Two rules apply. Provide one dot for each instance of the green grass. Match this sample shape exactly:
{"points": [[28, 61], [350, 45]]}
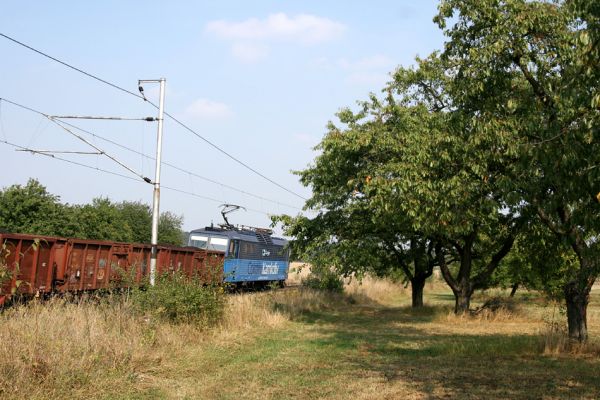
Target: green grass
{"points": [[388, 352], [338, 348]]}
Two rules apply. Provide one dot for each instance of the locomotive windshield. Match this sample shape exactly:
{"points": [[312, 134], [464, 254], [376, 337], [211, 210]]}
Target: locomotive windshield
{"points": [[207, 242]]}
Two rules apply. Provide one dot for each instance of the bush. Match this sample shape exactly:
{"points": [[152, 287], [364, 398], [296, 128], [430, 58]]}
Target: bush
{"points": [[177, 298], [324, 280]]}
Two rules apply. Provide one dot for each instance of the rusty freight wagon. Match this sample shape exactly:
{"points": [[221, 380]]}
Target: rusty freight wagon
{"points": [[33, 265]]}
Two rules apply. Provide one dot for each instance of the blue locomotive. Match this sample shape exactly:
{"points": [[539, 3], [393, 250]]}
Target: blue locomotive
{"points": [[253, 256]]}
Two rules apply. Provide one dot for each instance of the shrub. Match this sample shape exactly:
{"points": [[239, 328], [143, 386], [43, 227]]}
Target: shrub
{"points": [[324, 280], [177, 298]]}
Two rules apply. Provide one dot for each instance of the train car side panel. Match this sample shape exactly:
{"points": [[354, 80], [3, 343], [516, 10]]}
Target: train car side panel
{"points": [[236, 270], [42, 264]]}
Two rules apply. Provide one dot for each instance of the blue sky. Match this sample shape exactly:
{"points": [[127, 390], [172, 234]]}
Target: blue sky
{"points": [[260, 79]]}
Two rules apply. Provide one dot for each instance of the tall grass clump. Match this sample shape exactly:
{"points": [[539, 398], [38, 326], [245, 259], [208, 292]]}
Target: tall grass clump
{"points": [[177, 298], [324, 279], [61, 349], [379, 290]]}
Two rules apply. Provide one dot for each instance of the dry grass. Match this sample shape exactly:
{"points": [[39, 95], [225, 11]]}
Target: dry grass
{"points": [[383, 291], [247, 311], [300, 343], [47, 349], [297, 272], [367, 289], [63, 349]]}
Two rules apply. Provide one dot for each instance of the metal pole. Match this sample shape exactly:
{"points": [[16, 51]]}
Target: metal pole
{"points": [[156, 198]]}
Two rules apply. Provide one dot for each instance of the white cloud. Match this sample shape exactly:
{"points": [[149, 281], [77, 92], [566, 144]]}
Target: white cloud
{"points": [[303, 28], [250, 38], [208, 109]]}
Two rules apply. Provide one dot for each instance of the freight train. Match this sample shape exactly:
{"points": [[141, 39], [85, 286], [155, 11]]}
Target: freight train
{"points": [[34, 265]]}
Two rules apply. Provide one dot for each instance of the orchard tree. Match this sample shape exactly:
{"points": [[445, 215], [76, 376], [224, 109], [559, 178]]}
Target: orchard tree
{"points": [[454, 178], [360, 225], [412, 178], [532, 66]]}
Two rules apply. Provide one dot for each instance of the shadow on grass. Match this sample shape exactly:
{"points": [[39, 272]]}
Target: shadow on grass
{"points": [[445, 297], [395, 344]]}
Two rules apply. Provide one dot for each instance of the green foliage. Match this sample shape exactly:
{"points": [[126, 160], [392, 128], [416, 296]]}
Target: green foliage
{"points": [[138, 216], [496, 132], [324, 279], [529, 70], [101, 220], [169, 229], [31, 209], [179, 299], [539, 261]]}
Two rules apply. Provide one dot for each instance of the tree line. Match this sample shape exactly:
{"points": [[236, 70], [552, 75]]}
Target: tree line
{"points": [[482, 160], [32, 209]]}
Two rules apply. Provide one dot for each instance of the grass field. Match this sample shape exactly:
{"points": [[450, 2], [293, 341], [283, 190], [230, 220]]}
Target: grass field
{"points": [[299, 344]]}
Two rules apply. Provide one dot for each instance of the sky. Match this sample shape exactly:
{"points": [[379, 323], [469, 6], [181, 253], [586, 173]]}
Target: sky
{"points": [[259, 79]]}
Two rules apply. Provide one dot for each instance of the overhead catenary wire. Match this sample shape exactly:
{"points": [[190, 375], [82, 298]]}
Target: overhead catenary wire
{"points": [[145, 179], [177, 121], [232, 157], [183, 170], [70, 66], [146, 156], [93, 153], [60, 124], [54, 157], [24, 148]]}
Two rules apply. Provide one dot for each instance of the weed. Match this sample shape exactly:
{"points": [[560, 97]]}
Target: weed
{"points": [[178, 298], [324, 280]]}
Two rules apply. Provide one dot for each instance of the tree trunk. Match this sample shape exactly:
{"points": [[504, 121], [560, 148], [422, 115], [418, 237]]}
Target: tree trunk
{"points": [[417, 284], [514, 289], [460, 286], [462, 301], [576, 291], [423, 261], [577, 301]]}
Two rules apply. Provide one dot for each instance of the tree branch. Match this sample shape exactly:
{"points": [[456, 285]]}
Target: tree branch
{"points": [[535, 85], [400, 259], [548, 221], [484, 276], [445, 270], [436, 96]]}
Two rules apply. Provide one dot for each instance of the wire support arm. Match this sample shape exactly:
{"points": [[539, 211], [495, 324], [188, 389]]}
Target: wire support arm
{"points": [[53, 120], [148, 119]]}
